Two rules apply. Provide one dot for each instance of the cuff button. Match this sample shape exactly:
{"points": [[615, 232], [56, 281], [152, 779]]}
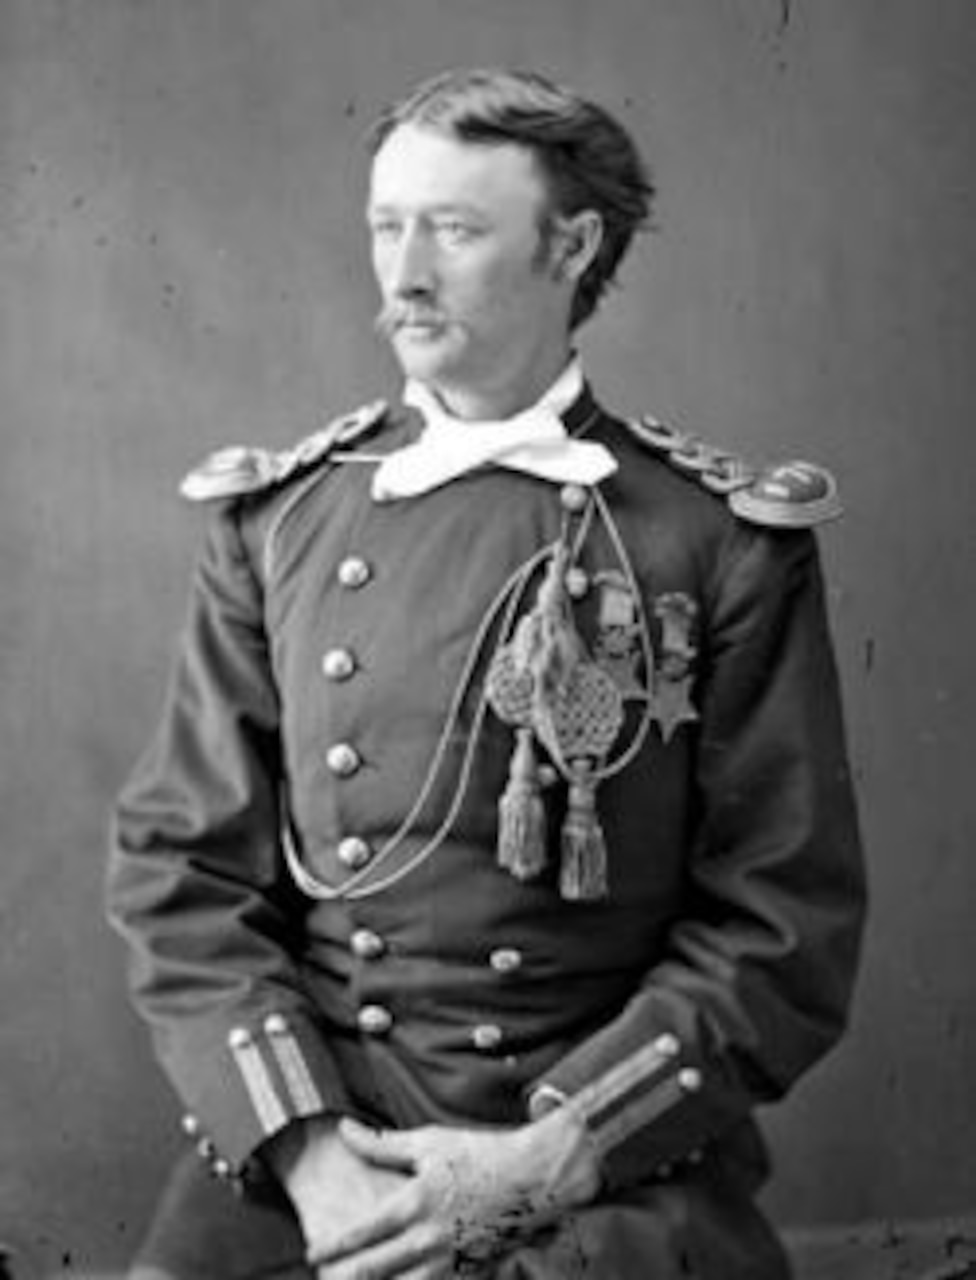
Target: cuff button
{"points": [[690, 1079]]}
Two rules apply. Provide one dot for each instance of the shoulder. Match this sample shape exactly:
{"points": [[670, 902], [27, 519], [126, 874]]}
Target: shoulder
{"points": [[783, 495], [241, 470]]}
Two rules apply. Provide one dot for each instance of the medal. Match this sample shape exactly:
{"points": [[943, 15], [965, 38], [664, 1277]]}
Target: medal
{"points": [[671, 704]]}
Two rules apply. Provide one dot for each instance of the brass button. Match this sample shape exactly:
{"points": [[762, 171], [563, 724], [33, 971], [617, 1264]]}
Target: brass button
{"points": [[190, 1125], [354, 572], [374, 1020], [239, 1038], [206, 1149], [342, 759], [486, 1037], [505, 959], [338, 664], [221, 1169], [353, 852], [573, 497], [366, 944]]}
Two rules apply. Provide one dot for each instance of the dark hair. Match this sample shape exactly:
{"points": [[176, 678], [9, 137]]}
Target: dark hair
{"points": [[587, 158]]}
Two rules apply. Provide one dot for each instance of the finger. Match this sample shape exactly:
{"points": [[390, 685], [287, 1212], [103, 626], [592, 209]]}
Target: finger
{"points": [[438, 1269], [417, 1253], [389, 1148], [391, 1218]]}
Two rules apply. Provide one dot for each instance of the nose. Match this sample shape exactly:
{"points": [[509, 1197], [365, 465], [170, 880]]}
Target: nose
{"points": [[412, 271]]}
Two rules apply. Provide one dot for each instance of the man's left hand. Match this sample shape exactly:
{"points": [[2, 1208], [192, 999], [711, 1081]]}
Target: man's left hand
{"points": [[472, 1195]]}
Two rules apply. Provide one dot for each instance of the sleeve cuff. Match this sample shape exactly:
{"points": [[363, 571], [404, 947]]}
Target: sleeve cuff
{"points": [[649, 1112], [267, 1072]]}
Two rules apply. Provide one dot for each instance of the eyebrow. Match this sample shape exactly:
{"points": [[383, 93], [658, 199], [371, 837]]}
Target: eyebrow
{"points": [[448, 206]]}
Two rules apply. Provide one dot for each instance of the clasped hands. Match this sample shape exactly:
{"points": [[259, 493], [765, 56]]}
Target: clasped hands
{"points": [[435, 1201]]}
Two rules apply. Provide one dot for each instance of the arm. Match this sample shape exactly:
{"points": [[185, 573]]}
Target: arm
{"points": [[754, 985], [196, 884]]}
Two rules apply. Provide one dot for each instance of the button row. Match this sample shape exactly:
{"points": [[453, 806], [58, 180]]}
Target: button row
{"points": [[206, 1148], [377, 1020], [368, 945], [342, 759]]}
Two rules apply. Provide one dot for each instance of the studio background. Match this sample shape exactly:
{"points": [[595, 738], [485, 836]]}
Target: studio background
{"points": [[183, 265]]}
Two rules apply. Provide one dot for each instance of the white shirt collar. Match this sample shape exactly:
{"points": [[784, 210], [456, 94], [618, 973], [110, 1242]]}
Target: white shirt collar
{"points": [[534, 441]]}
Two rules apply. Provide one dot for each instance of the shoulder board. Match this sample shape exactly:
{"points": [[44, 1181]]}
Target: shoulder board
{"points": [[240, 469], [787, 495]]}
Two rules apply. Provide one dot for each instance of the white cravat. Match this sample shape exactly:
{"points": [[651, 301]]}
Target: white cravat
{"points": [[534, 441]]}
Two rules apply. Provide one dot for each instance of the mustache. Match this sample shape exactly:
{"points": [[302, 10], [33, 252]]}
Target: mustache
{"points": [[396, 314]]}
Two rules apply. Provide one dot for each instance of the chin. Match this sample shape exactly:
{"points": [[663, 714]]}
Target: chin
{"points": [[426, 362]]}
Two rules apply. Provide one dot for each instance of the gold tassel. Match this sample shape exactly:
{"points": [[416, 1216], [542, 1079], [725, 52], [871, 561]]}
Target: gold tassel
{"points": [[522, 814], [583, 870]]}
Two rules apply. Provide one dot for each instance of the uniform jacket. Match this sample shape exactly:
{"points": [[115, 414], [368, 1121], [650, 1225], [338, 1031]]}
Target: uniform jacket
{"points": [[327, 637]]}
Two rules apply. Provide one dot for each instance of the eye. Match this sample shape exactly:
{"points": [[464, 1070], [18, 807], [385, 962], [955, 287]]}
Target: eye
{"points": [[456, 231], [385, 229]]}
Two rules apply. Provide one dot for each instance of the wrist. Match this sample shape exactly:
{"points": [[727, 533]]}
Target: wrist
{"points": [[291, 1152], [560, 1146]]}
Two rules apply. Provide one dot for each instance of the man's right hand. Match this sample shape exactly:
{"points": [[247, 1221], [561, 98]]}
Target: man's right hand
{"points": [[330, 1187]]}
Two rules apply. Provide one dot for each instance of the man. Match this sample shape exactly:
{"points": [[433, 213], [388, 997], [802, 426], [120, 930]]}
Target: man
{"points": [[496, 855]]}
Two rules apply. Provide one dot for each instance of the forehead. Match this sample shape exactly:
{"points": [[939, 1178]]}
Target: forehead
{"points": [[419, 167]]}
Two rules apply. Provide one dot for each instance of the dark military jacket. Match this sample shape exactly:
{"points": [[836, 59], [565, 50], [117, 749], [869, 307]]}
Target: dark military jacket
{"points": [[328, 704]]}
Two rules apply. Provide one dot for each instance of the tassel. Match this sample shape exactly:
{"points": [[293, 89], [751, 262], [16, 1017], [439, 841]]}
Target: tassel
{"points": [[522, 814], [583, 870]]}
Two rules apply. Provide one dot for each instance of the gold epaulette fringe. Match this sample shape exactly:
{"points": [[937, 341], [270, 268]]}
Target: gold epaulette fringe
{"points": [[787, 495], [240, 469]]}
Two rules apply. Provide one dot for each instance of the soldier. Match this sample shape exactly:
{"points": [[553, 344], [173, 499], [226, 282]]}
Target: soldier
{"points": [[496, 855]]}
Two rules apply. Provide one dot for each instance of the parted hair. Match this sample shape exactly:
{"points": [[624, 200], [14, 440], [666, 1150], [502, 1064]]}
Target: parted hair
{"points": [[586, 157]]}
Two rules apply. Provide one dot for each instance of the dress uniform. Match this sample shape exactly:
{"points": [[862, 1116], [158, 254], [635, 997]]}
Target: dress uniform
{"points": [[479, 796]]}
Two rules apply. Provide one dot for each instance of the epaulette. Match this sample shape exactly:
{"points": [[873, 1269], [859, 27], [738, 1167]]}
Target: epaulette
{"points": [[241, 469], [786, 495]]}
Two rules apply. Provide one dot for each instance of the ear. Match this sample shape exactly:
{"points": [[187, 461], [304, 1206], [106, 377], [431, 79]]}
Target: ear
{"points": [[577, 240]]}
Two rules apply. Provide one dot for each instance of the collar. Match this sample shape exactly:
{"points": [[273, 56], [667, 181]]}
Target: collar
{"points": [[535, 441]]}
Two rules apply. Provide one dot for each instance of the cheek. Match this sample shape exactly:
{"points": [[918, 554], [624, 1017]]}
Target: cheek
{"points": [[494, 291]]}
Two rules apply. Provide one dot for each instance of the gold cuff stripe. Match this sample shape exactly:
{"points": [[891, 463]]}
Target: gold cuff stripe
{"points": [[628, 1076], [291, 1061], [260, 1087], [613, 1130]]}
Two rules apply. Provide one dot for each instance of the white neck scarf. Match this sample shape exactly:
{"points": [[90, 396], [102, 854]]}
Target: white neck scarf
{"points": [[534, 441]]}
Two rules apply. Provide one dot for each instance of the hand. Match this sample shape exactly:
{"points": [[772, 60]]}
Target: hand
{"points": [[331, 1188], [471, 1195]]}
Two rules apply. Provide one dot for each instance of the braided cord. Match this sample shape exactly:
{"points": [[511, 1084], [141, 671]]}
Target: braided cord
{"points": [[511, 591]]}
